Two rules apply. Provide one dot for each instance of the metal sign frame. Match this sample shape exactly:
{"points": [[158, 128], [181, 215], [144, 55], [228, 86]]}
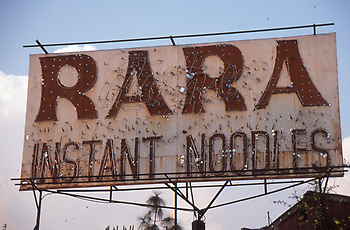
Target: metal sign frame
{"points": [[175, 188], [221, 153]]}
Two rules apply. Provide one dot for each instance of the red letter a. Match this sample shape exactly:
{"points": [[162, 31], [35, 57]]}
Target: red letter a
{"points": [[139, 64], [302, 85]]}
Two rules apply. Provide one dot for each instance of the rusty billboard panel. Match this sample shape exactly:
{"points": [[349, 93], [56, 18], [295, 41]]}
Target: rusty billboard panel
{"points": [[205, 112]]}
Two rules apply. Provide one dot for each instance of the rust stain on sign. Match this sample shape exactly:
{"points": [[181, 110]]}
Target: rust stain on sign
{"points": [[205, 112]]}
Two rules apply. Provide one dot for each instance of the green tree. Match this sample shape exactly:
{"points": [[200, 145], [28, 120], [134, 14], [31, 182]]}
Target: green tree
{"points": [[154, 218], [314, 210]]}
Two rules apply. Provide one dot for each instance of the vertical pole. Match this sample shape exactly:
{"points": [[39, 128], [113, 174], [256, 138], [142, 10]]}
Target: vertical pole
{"points": [[325, 185], [175, 200], [314, 29], [320, 185], [110, 194], [186, 189], [38, 214], [172, 40]]}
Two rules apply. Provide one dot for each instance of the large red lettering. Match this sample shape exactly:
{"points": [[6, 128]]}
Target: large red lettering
{"points": [[234, 154], [152, 156], [91, 144], [150, 94], [125, 153], [323, 151], [301, 83], [256, 151], [296, 148], [198, 81], [74, 164], [44, 162], [108, 164], [199, 159], [222, 154], [52, 88]]}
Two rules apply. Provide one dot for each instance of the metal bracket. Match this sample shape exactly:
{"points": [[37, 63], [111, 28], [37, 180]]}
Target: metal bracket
{"points": [[203, 211], [38, 205], [41, 46], [172, 40]]}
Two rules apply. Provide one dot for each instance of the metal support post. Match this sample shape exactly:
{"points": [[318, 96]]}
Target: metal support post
{"points": [[314, 26], [175, 201], [110, 194], [38, 206], [172, 40]]}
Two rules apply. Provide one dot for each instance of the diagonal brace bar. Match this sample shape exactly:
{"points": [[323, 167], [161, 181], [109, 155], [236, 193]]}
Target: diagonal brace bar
{"points": [[203, 211], [178, 192]]}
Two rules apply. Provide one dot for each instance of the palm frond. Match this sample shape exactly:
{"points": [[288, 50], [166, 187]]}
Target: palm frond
{"points": [[168, 222], [153, 227]]}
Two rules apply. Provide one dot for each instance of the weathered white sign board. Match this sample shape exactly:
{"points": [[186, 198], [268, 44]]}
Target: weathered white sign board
{"points": [[204, 112]]}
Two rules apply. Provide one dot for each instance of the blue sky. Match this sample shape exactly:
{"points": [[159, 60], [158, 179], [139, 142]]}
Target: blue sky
{"points": [[22, 22]]}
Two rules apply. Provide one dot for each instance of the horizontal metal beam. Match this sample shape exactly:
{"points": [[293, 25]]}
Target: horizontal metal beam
{"points": [[182, 36], [258, 172], [103, 200], [262, 194], [179, 187], [161, 180]]}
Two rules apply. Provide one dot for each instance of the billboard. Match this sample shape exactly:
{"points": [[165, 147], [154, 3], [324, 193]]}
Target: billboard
{"points": [[205, 112]]}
